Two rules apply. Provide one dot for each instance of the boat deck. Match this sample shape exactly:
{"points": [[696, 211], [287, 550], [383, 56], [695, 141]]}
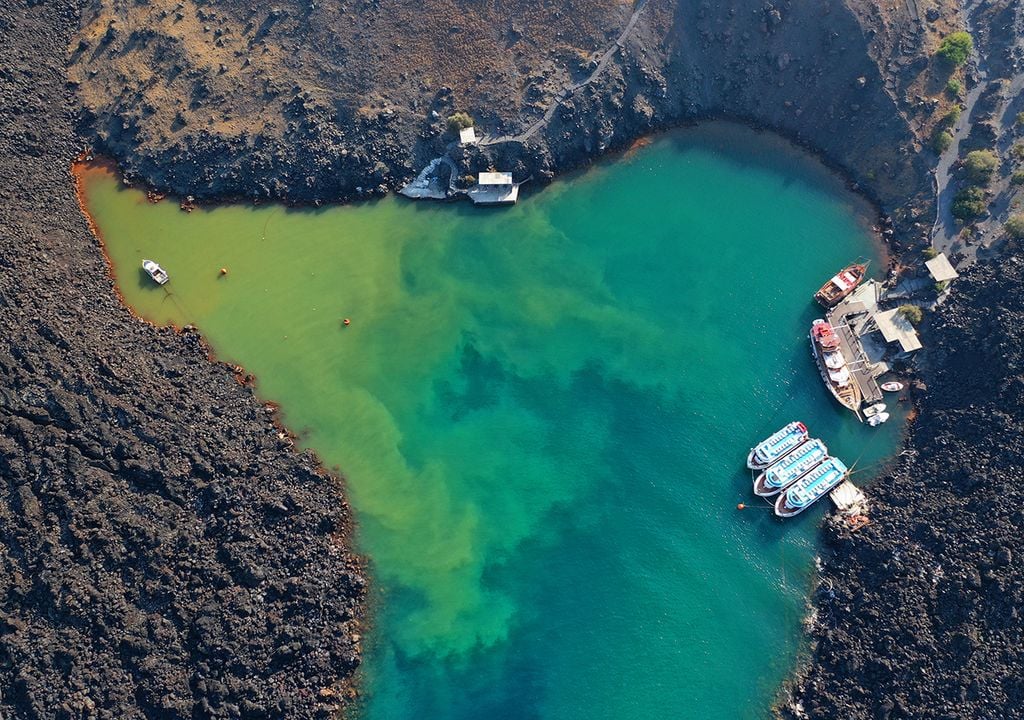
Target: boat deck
{"points": [[860, 366]]}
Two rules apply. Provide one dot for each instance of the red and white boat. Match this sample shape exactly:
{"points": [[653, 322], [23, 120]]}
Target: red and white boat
{"points": [[841, 284]]}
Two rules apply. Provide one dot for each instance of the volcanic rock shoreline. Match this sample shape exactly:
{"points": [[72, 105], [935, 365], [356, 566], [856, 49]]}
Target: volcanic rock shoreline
{"points": [[168, 554]]}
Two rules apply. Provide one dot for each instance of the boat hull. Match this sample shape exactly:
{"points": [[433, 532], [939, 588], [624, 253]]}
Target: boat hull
{"points": [[825, 478], [829, 295], [851, 399], [798, 439]]}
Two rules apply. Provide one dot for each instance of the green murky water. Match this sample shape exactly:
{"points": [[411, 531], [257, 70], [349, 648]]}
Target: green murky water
{"points": [[542, 413]]}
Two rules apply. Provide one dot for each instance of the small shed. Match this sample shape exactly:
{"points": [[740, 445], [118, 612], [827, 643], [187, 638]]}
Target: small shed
{"points": [[896, 328], [467, 136], [940, 268], [494, 188]]}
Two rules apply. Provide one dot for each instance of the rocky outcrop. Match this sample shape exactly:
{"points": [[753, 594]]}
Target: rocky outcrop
{"points": [[166, 552], [919, 614]]}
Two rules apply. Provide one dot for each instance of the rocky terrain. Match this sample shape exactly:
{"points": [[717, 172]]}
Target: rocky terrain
{"points": [[325, 101], [166, 554], [918, 615]]}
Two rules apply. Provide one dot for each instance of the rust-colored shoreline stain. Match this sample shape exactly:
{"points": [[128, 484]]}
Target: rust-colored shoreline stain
{"points": [[87, 168]]}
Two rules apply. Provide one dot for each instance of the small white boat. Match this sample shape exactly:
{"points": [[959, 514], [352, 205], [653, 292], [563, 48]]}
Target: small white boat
{"points": [[873, 410], [892, 386], [159, 275], [876, 420]]}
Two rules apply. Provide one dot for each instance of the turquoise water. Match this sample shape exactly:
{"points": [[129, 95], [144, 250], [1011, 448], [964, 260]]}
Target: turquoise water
{"points": [[542, 415]]}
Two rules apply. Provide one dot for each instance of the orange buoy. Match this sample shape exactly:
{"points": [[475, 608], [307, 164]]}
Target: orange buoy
{"points": [[346, 322], [223, 271], [741, 506]]}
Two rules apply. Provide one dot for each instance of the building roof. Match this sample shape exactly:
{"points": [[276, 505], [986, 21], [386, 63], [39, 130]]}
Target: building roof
{"points": [[896, 328], [495, 178], [941, 269], [467, 136]]}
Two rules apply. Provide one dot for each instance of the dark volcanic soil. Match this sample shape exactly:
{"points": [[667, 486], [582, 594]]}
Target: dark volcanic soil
{"points": [[919, 615], [165, 554]]}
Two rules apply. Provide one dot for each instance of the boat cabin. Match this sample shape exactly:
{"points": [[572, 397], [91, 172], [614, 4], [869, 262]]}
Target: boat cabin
{"points": [[494, 188]]}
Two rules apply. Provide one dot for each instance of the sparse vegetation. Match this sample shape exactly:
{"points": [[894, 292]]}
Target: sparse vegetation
{"points": [[458, 121], [980, 166], [1020, 119], [950, 119], [955, 48], [912, 313], [953, 88], [929, 253], [941, 286], [969, 203], [1014, 227], [1017, 178], [1017, 151]]}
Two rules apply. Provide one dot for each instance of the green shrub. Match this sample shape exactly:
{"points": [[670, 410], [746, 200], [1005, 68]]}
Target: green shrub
{"points": [[929, 253], [1015, 227], [950, 119], [458, 121], [969, 203], [1017, 151], [1017, 178], [912, 313], [953, 87], [1020, 119], [980, 165], [941, 285], [941, 140], [955, 48]]}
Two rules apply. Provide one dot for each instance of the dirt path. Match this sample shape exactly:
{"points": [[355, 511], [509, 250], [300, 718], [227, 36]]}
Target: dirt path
{"points": [[602, 64]]}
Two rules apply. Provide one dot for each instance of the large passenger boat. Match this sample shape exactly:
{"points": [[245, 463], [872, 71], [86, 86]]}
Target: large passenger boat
{"points": [[811, 487], [776, 445], [841, 284], [790, 468], [832, 365]]}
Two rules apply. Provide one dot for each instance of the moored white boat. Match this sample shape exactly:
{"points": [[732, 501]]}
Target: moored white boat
{"points": [[776, 445], [873, 410], [811, 487], [159, 275], [892, 386], [876, 420], [790, 468]]}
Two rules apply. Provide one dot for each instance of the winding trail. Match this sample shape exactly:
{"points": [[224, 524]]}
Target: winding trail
{"points": [[602, 64]]}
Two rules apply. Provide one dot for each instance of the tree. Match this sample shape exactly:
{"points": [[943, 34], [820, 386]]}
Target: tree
{"points": [[955, 48], [953, 88], [941, 141], [980, 165], [1015, 226], [912, 313], [929, 253], [969, 203]]}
